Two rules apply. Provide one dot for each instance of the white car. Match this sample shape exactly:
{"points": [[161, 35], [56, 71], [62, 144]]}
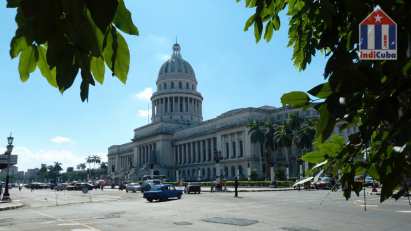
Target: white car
{"points": [[133, 187]]}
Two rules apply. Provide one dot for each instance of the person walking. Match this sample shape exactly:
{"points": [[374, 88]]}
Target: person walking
{"points": [[20, 187], [236, 187], [1, 190]]}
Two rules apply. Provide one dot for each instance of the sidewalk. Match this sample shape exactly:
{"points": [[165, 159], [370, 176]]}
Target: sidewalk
{"points": [[15, 204], [250, 189]]}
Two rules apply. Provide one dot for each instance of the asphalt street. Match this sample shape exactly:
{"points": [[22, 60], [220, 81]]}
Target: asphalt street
{"points": [[284, 211]]}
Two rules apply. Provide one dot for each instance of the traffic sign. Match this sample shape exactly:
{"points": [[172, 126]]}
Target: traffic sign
{"points": [[4, 159]]}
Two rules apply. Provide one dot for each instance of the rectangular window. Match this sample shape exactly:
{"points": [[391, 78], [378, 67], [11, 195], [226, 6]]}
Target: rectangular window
{"points": [[194, 152], [184, 154], [189, 152], [241, 148], [234, 149], [209, 149], [204, 151], [227, 150], [180, 155]]}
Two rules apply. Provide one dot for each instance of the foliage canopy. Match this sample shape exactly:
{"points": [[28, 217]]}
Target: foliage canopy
{"points": [[374, 96], [65, 37]]}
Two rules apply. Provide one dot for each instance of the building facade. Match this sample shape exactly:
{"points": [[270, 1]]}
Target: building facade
{"points": [[180, 145]]}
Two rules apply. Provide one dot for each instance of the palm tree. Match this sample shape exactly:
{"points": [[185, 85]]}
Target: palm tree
{"points": [[93, 160], [262, 133], [295, 131], [81, 166]]}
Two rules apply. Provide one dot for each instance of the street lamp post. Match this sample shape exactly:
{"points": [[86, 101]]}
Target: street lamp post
{"points": [[6, 195]]}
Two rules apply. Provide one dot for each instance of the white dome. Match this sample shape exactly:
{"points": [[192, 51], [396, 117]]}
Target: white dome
{"points": [[176, 67]]}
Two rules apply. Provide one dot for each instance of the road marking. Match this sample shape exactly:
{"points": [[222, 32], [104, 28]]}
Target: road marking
{"points": [[403, 211], [88, 227]]}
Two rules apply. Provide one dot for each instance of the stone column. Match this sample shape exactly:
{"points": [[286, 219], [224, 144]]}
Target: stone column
{"points": [[153, 111], [248, 173], [199, 175], [287, 173], [272, 174], [177, 176], [301, 171]]}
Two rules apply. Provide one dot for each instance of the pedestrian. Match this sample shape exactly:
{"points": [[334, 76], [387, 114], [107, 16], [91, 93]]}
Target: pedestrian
{"points": [[31, 187], [20, 187], [236, 187], [1, 189]]}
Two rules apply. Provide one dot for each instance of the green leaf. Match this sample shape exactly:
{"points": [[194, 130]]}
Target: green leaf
{"points": [[326, 123], [28, 61], [117, 55], [295, 99], [258, 28], [13, 3], [268, 32], [97, 68], [18, 44], [123, 19], [102, 12], [50, 75], [66, 69], [249, 22], [406, 70], [276, 22], [314, 157], [321, 91]]}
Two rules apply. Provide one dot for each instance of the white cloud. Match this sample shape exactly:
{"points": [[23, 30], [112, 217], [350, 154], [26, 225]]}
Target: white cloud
{"points": [[145, 94], [28, 158], [60, 140]]}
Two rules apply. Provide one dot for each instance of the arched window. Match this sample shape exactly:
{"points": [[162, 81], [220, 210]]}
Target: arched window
{"points": [[225, 171], [240, 171], [172, 85], [165, 86], [180, 85], [187, 86]]}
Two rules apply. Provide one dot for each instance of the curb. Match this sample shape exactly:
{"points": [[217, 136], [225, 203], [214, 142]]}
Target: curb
{"points": [[12, 207], [261, 190]]}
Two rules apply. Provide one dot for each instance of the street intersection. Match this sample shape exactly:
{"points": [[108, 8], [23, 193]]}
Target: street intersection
{"points": [[282, 210]]}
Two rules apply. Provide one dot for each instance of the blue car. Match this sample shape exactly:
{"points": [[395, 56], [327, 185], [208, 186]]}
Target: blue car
{"points": [[162, 192]]}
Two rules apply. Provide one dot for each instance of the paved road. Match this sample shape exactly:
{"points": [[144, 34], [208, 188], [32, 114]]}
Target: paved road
{"points": [[284, 211]]}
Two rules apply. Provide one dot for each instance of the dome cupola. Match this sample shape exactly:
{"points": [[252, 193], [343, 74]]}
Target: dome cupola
{"points": [[176, 98]]}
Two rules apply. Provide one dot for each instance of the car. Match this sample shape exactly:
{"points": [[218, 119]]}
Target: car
{"points": [[79, 186], [162, 192], [148, 184], [193, 187], [60, 187], [324, 182], [133, 187]]}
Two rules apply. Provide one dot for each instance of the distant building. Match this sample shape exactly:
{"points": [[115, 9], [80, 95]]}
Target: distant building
{"points": [[31, 174], [180, 145]]}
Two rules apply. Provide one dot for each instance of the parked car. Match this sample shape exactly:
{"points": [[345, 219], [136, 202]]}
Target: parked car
{"points": [[324, 182], [148, 184], [133, 187], [60, 187], [162, 192], [192, 187], [79, 186]]}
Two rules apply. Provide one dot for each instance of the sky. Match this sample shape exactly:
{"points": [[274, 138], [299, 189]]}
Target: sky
{"points": [[232, 70]]}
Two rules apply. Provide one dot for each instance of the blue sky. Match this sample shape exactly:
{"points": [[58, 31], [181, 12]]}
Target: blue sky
{"points": [[232, 70]]}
